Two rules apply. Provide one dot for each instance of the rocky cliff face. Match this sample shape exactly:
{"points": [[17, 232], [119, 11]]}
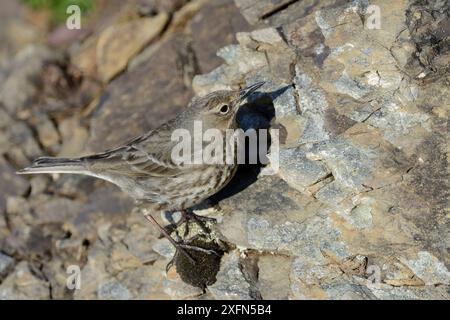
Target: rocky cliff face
{"points": [[357, 210]]}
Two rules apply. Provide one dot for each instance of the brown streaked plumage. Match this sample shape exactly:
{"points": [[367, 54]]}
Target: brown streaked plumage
{"points": [[144, 168]]}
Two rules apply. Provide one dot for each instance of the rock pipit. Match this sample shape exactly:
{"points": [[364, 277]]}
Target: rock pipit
{"points": [[145, 169]]}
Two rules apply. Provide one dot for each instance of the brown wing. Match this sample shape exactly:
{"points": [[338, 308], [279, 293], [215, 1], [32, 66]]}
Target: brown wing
{"points": [[147, 155]]}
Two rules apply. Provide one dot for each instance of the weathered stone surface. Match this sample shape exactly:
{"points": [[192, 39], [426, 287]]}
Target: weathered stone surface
{"points": [[429, 269], [169, 6], [298, 171], [222, 77], [137, 102], [113, 56], [215, 26], [74, 137], [17, 140], [259, 10], [281, 11], [273, 277], [122, 263], [231, 283], [22, 284], [6, 265], [47, 133], [269, 215], [16, 30], [17, 89], [164, 248], [356, 154], [113, 291], [11, 184], [177, 289], [39, 80]]}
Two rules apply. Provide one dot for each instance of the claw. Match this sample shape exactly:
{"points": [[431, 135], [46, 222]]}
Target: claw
{"points": [[169, 265], [182, 247], [150, 218], [199, 220]]}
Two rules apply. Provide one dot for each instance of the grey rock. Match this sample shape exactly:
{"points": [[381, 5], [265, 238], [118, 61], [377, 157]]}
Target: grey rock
{"points": [[351, 87], [312, 98], [298, 171], [313, 104], [361, 215], [177, 289], [14, 17], [307, 238], [238, 61], [18, 89], [145, 282], [332, 193], [396, 122], [254, 10], [231, 283], [38, 184], [285, 104], [56, 210], [113, 291], [314, 129], [429, 269], [281, 12], [22, 284], [11, 185], [6, 265], [311, 271], [344, 289], [150, 100], [164, 248], [273, 277], [349, 164], [386, 292], [269, 215], [16, 135], [214, 27], [267, 35], [73, 137], [47, 132]]}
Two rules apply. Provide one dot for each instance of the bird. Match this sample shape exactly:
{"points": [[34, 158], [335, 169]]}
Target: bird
{"points": [[145, 169]]}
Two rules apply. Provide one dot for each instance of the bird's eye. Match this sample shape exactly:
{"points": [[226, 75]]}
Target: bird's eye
{"points": [[224, 109]]}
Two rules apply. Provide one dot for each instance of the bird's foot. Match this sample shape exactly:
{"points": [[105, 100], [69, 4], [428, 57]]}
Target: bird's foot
{"points": [[199, 220]]}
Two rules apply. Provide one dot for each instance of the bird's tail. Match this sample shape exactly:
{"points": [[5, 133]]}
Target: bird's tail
{"points": [[56, 165]]}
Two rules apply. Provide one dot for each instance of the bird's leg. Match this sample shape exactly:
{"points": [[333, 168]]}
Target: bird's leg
{"points": [[179, 247], [199, 220]]}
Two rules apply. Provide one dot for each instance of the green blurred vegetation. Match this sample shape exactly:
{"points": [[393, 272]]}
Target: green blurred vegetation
{"points": [[57, 8]]}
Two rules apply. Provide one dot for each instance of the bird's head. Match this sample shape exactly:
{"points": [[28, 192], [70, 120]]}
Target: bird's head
{"points": [[218, 109]]}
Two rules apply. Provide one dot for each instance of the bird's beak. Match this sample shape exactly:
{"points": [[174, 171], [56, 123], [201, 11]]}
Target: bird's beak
{"points": [[244, 93]]}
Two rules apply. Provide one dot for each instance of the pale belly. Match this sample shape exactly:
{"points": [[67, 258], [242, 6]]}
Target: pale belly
{"points": [[185, 190]]}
